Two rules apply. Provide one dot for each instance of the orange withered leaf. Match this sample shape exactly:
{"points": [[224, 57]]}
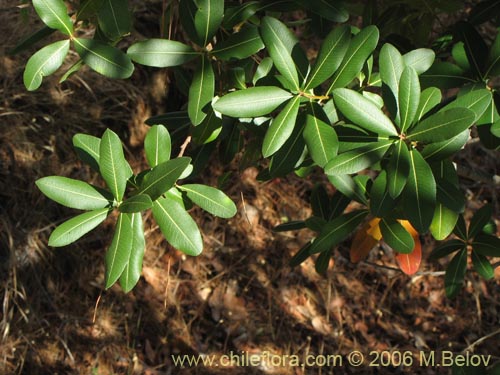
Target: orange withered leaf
{"points": [[410, 263], [365, 239]]}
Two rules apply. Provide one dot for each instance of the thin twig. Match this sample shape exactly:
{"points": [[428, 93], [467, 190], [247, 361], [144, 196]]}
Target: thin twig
{"points": [[95, 308], [184, 145], [479, 341]]}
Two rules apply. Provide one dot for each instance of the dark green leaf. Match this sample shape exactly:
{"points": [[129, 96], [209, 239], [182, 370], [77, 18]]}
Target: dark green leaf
{"points": [[479, 220], [281, 128], [87, 147], [74, 193], [442, 126], [208, 130], [322, 262], [450, 195], [331, 10], [381, 203], [391, 67], [76, 227], [336, 231], [482, 265], [360, 48], [338, 204], [419, 194], [300, 256], [396, 236], [137, 203], [88, 9], [429, 98], [455, 273], [210, 199], [358, 159], [201, 92], [321, 140], [474, 45], [350, 187], [330, 56], [157, 145], [54, 14], [487, 245], [72, 70], [240, 13], [320, 203], [31, 39], [114, 19], [371, 118], [398, 169], [163, 177], [104, 59], [177, 226], [118, 254], [132, 271], [409, 97], [445, 149], [252, 102], [444, 75], [43, 63], [460, 229], [352, 137], [446, 248], [419, 59], [161, 53], [315, 223], [208, 18], [290, 225], [494, 58], [290, 155], [241, 45], [443, 222], [482, 12]]}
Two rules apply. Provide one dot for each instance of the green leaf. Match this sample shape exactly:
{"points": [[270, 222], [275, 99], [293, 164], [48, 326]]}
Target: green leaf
{"points": [[54, 14], [338, 204], [240, 45], [460, 229], [208, 18], [87, 147], [444, 75], [88, 9], [460, 57], [494, 58], [161, 53], [320, 202], [479, 220], [163, 177], [281, 128], [482, 265], [157, 145], [210, 199], [442, 126], [31, 39], [300, 256], [74, 193], [76, 227], [487, 245], [336, 231], [474, 45], [330, 10], [321, 140], [371, 118], [118, 254], [177, 226], [443, 222], [445, 149], [447, 248], [104, 59], [240, 13], [273, 32], [476, 100], [419, 194], [291, 154], [208, 130], [396, 236], [330, 56], [409, 97], [322, 262], [455, 273], [391, 67], [429, 98], [114, 19], [263, 69], [43, 63], [381, 202], [201, 91], [350, 187], [252, 102], [358, 159], [360, 48], [132, 271], [290, 225], [398, 169], [112, 164], [137, 203], [72, 70], [419, 59], [450, 195]]}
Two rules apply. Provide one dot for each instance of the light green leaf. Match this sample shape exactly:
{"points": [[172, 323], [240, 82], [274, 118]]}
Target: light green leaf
{"points": [[442, 126], [445, 149], [163, 177], [429, 98], [337, 230], [208, 18], [54, 14], [391, 67], [118, 254], [396, 236], [161, 53], [330, 56], [112, 164], [76, 227], [114, 18], [351, 187], [419, 194], [136, 203], [455, 273], [419, 59], [263, 69], [252, 102], [446, 248], [321, 140], [477, 101], [74, 193], [132, 271], [208, 130], [201, 91], [363, 112], [273, 32], [43, 63], [177, 226], [104, 59], [281, 128], [460, 56], [487, 245], [443, 222], [358, 159], [210, 199], [87, 147], [240, 45], [157, 145], [482, 266], [72, 70], [360, 48], [398, 169], [409, 97]]}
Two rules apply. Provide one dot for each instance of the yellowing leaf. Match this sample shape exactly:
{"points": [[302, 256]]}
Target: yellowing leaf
{"points": [[365, 239], [410, 263]]}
